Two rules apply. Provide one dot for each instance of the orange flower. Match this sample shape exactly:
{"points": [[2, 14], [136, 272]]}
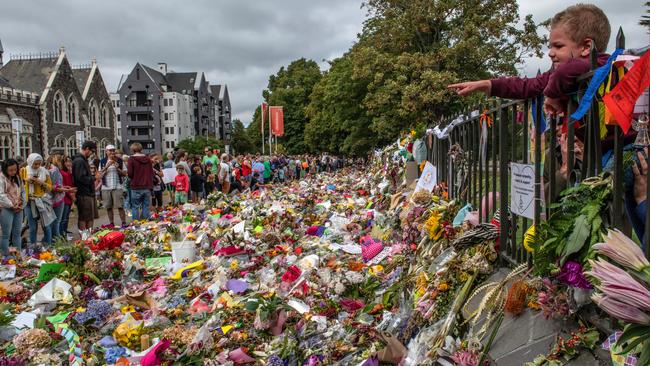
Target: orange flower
{"points": [[443, 287], [355, 266], [45, 256]]}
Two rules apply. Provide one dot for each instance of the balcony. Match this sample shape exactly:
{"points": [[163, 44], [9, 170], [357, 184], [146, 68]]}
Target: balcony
{"points": [[141, 103]]}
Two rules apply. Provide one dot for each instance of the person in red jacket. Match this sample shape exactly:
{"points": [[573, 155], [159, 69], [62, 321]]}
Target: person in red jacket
{"points": [[182, 185], [574, 31], [140, 170]]}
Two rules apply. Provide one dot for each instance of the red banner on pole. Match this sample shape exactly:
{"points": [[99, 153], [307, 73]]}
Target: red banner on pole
{"points": [[621, 100], [277, 121], [263, 109]]}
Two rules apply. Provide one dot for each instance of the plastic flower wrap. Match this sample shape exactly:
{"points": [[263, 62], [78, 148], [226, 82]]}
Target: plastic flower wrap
{"points": [[128, 332]]}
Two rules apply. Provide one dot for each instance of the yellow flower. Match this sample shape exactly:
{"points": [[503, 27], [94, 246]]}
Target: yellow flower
{"points": [[45, 256], [443, 287], [529, 239], [432, 226], [128, 309], [12, 261], [234, 265], [412, 133], [375, 270]]}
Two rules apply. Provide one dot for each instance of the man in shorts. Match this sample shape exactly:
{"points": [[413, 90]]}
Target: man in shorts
{"points": [[112, 171], [85, 183]]}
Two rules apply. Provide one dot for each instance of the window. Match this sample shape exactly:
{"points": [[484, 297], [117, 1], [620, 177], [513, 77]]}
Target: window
{"points": [[5, 147], [71, 146], [165, 103], [93, 113], [173, 144], [72, 111], [104, 117], [58, 107], [171, 130], [142, 131], [118, 118], [119, 131], [171, 102], [137, 74], [171, 116], [167, 144], [25, 145], [166, 116]]}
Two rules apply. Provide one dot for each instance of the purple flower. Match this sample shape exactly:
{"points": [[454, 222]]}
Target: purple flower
{"points": [[572, 275]]}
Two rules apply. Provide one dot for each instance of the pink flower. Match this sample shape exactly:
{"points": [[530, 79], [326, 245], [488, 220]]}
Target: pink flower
{"points": [[623, 251], [617, 283], [621, 310]]}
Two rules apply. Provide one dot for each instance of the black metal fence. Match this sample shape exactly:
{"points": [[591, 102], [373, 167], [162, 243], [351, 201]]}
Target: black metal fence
{"points": [[508, 141]]}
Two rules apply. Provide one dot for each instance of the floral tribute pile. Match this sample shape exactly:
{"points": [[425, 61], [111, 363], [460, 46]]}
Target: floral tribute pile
{"points": [[353, 268]]}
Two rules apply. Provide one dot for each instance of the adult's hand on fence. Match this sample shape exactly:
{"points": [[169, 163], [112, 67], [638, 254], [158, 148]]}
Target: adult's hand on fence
{"points": [[640, 177], [469, 87], [553, 106]]}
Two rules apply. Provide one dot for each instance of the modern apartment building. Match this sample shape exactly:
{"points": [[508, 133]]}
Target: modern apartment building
{"points": [[159, 108]]}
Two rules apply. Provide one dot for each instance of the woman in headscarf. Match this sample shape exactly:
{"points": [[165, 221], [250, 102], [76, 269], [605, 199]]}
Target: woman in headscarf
{"points": [[12, 201], [38, 185]]}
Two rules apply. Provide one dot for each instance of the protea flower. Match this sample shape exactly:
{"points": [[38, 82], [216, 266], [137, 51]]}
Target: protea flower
{"points": [[623, 251], [620, 310]]}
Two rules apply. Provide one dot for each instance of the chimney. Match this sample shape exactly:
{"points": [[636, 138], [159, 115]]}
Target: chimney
{"points": [[162, 67]]}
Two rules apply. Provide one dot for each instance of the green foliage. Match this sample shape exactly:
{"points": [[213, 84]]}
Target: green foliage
{"points": [[241, 142], [197, 145], [6, 314], [337, 121], [576, 221]]}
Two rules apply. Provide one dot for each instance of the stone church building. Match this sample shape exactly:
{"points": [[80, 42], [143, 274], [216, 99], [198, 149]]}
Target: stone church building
{"points": [[59, 105]]}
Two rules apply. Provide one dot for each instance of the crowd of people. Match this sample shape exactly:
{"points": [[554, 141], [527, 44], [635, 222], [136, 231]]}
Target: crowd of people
{"points": [[42, 192]]}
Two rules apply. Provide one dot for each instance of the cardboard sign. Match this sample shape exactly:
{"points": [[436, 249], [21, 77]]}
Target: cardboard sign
{"points": [[48, 271], [169, 174], [428, 179], [522, 196], [7, 272]]}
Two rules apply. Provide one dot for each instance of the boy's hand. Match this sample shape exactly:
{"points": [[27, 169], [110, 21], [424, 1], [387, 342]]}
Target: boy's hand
{"points": [[464, 89], [553, 106]]}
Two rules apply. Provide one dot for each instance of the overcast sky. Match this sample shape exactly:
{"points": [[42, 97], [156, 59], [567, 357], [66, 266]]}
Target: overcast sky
{"points": [[236, 42]]}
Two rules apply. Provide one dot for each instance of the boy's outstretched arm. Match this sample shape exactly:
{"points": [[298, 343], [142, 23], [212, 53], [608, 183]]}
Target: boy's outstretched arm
{"points": [[469, 87]]}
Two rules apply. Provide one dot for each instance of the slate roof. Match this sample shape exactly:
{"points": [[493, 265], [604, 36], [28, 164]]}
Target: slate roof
{"points": [[215, 90], [29, 75], [81, 77], [4, 82], [179, 81], [156, 75]]}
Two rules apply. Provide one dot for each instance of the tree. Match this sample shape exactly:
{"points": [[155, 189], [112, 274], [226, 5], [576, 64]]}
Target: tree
{"points": [[412, 49], [338, 123], [254, 132], [197, 145], [241, 143], [291, 88]]}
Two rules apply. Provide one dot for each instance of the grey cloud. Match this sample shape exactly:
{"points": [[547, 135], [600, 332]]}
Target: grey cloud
{"points": [[235, 42]]}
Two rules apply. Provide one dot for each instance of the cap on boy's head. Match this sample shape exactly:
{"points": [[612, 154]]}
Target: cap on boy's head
{"points": [[583, 21]]}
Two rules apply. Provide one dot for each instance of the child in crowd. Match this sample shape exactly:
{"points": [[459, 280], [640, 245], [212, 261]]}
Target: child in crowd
{"points": [[182, 185], [158, 185], [209, 184], [197, 180]]}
